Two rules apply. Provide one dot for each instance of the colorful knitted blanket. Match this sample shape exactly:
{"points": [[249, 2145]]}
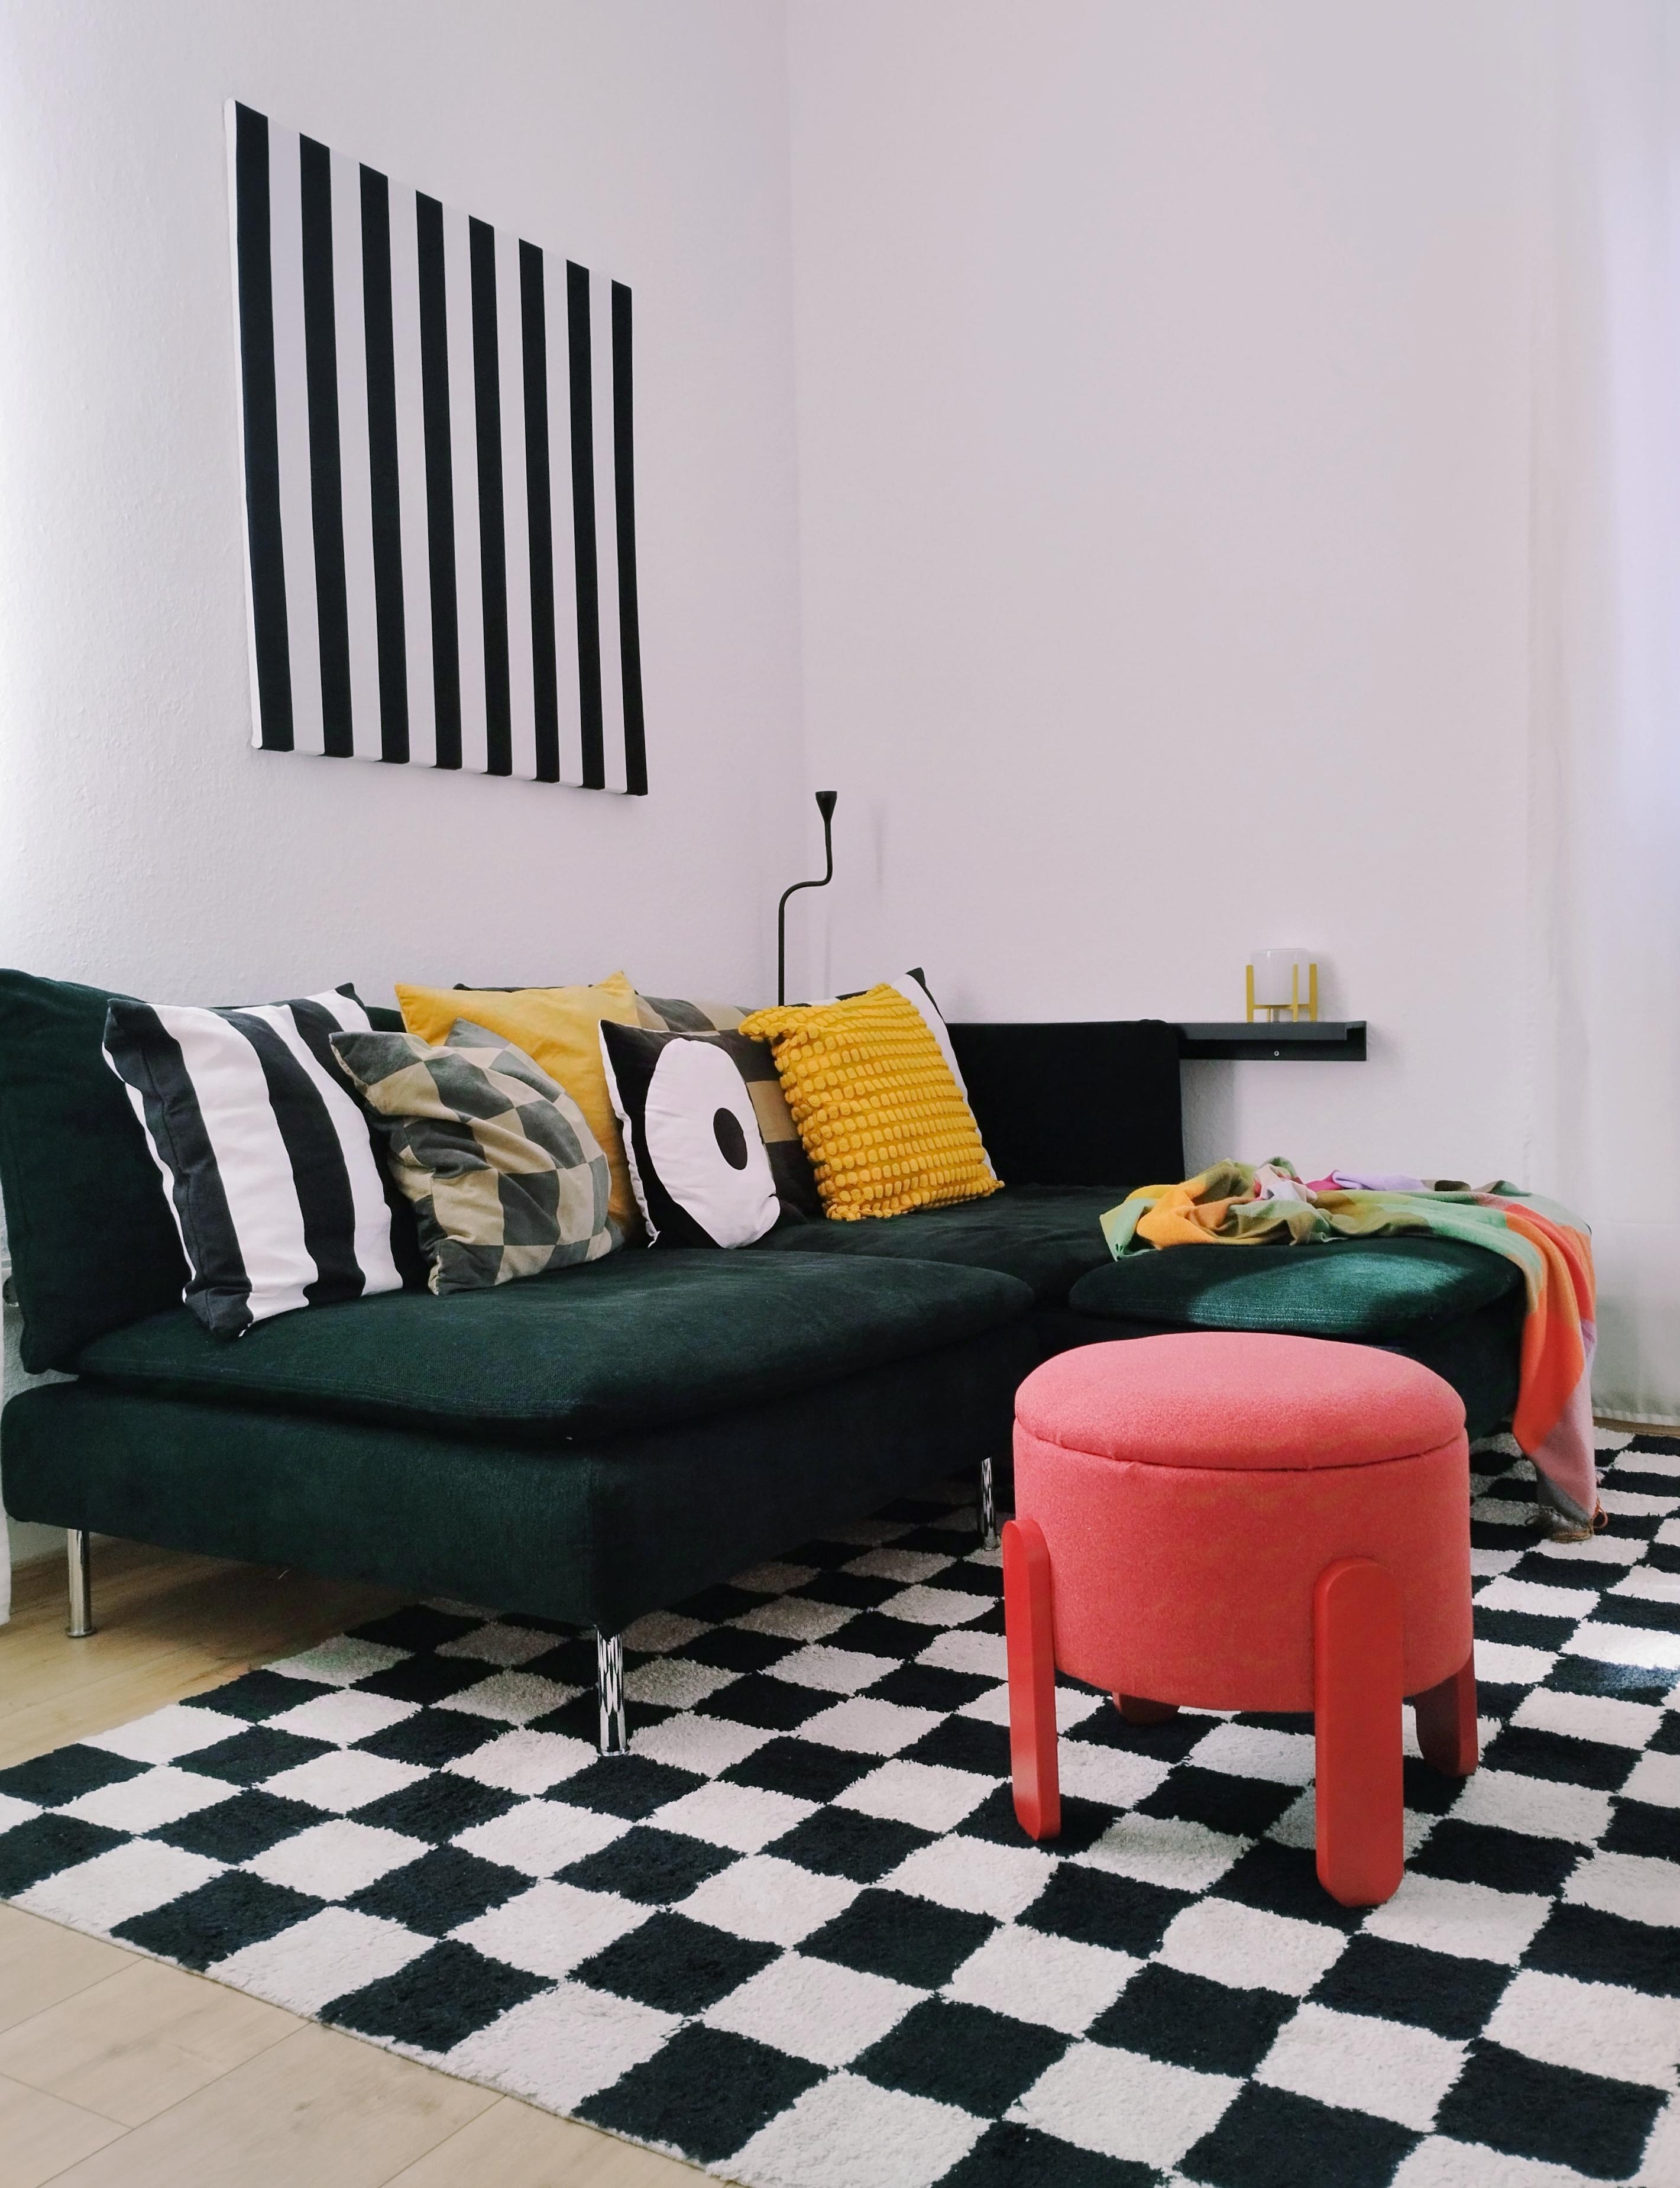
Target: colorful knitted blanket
{"points": [[1238, 1204]]}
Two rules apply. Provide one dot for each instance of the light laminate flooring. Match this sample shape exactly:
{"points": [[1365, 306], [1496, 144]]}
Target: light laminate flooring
{"points": [[117, 2071]]}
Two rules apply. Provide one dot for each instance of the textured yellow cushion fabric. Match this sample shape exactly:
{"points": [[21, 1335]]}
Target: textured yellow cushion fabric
{"points": [[559, 1028], [882, 1120]]}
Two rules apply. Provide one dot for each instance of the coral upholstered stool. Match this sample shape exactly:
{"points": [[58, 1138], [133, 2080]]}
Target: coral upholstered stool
{"points": [[1246, 1522]]}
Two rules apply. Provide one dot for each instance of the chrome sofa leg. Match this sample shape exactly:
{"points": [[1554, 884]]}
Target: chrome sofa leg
{"points": [[79, 1546], [989, 1538], [610, 1693]]}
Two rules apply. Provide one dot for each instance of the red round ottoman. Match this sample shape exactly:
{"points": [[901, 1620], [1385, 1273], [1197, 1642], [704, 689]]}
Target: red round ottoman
{"points": [[1247, 1522]]}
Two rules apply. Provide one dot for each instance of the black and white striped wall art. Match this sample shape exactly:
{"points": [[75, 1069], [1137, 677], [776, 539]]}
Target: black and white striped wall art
{"points": [[440, 479]]}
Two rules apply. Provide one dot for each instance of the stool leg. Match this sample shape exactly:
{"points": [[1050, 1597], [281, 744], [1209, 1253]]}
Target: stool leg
{"points": [[1136, 1710], [1032, 1678], [1447, 1723], [1358, 1673]]}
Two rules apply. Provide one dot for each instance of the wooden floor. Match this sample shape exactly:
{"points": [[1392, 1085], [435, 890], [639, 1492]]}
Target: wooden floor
{"points": [[118, 2072]]}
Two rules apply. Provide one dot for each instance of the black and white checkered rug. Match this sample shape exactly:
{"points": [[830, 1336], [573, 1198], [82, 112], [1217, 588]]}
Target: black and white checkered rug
{"points": [[797, 1938]]}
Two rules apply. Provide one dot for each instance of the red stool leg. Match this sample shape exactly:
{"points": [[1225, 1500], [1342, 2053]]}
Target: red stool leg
{"points": [[1447, 1723], [1032, 1678], [1358, 1674], [1136, 1710]]}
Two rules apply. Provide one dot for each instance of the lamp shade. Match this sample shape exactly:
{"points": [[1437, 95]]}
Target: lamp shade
{"points": [[1281, 977]]}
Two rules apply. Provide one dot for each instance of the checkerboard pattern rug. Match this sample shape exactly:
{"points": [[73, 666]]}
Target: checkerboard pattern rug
{"points": [[797, 1938]]}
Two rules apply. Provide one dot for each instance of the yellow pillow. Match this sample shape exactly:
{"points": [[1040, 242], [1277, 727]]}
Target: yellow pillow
{"points": [[883, 1121], [559, 1028]]}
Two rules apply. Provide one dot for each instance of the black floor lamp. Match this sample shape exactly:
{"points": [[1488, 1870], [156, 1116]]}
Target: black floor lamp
{"points": [[826, 800]]}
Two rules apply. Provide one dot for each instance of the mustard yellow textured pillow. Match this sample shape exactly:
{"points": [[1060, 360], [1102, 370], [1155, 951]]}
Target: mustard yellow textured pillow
{"points": [[560, 1030], [882, 1120]]}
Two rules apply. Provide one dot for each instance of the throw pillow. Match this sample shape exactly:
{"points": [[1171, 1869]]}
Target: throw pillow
{"points": [[506, 1178], [673, 1014], [266, 1155], [882, 1120], [913, 987], [557, 1028], [714, 1155], [658, 1013]]}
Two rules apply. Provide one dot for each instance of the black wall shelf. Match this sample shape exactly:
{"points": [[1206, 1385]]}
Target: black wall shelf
{"points": [[1324, 1040]]}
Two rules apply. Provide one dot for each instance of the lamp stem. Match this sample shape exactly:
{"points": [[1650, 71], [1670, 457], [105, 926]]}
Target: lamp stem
{"points": [[826, 801]]}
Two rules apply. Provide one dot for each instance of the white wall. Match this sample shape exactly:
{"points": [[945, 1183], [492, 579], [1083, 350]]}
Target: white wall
{"points": [[1167, 457], [1607, 677], [145, 844], [1165, 492]]}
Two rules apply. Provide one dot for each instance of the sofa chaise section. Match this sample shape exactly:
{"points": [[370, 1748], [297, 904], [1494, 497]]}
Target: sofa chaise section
{"points": [[586, 1447], [615, 1348], [592, 1529]]}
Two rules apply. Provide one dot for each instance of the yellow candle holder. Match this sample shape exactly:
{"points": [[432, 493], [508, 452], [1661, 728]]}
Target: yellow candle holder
{"points": [[1297, 1006]]}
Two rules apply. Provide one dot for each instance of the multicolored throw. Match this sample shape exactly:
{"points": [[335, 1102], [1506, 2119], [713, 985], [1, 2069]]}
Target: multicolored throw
{"points": [[1236, 1204]]}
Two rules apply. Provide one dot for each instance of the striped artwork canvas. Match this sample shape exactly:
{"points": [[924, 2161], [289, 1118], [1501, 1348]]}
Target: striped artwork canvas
{"points": [[437, 418]]}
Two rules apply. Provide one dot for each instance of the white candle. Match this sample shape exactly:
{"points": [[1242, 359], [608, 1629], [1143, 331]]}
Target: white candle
{"points": [[1281, 977]]}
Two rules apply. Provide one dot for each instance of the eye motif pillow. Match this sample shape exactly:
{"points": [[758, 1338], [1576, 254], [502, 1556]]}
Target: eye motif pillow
{"points": [[714, 1155]]}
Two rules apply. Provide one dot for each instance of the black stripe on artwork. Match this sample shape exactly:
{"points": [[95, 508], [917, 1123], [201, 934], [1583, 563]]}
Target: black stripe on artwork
{"points": [[271, 633], [440, 479], [493, 547], [383, 470], [584, 525], [326, 479], [540, 510], [624, 500], [320, 1177]]}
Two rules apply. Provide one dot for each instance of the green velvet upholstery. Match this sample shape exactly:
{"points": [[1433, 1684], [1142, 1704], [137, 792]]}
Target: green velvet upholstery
{"points": [[595, 1533], [93, 1244], [1364, 1289], [1049, 1236], [608, 1440], [636, 1341], [1457, 1309]]}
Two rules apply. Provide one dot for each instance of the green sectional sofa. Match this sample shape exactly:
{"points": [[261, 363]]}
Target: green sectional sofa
{"points": [[607, 1441]]}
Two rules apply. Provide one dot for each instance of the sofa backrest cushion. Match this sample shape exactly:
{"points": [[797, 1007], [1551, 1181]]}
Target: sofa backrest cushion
{"points": [[92, 1243], [1093, 1102]]}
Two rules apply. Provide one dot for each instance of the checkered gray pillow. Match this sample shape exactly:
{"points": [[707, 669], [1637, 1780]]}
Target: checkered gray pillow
{"points": [[506, 1178]]}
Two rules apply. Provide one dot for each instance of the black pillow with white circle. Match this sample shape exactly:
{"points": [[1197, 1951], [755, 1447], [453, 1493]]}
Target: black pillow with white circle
{"points": [[714, 1158]]}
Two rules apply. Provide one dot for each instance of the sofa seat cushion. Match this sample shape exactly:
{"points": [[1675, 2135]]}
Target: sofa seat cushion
{"points": [[1369, 1290], [636, 1341], [1049, 1236], [591, 1533]]}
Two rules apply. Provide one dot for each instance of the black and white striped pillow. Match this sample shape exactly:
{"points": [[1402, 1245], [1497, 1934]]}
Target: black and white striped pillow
{"points": [[266, 1155]]}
